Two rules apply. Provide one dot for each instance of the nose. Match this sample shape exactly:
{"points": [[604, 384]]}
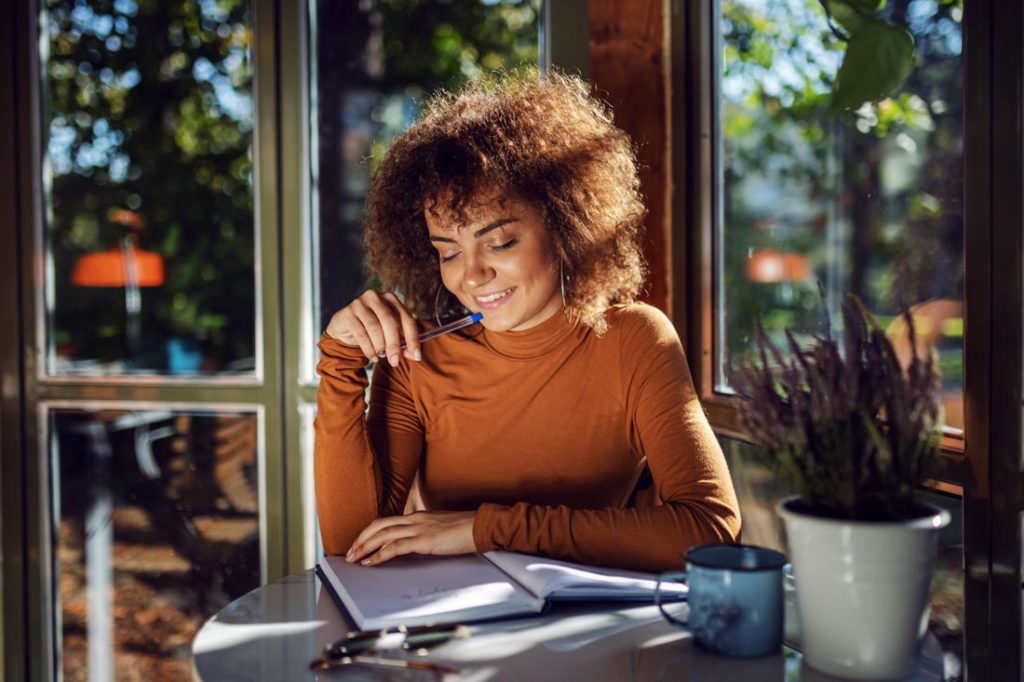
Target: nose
{"points": [[476, 274]]}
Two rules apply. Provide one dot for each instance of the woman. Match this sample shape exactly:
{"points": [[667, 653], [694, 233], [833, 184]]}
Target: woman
{"points": [[530, 431]]}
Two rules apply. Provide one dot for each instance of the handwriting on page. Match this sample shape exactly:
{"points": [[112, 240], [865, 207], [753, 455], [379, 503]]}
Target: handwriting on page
{"points": [[425, 592], [438, 599]]}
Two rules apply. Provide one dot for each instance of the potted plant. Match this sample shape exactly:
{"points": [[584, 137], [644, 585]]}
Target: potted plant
{"points": [[855, 434]]}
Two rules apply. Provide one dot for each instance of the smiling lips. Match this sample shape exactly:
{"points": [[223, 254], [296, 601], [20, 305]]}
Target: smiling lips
{"points": [[492, 301]]}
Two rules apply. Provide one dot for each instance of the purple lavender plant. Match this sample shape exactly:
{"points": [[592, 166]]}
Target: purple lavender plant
{"points": [[850, 429]]}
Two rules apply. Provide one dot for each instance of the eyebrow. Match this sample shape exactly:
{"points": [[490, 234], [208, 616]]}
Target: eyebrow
{"points": [[479, 233]]}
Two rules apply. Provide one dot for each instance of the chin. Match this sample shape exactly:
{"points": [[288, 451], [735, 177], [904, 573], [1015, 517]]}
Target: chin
{"points": [[498, 320], [496, 325]]}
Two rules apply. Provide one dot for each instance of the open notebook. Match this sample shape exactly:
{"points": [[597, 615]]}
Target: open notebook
{"points": [[461, 589]]}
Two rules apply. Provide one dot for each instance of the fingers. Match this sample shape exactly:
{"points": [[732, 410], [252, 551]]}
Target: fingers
{"points": [[419, 533], [394, 549], [367, 552], [377, 323], [357, 550], [348, 329], [389, 311], [409, 331]]}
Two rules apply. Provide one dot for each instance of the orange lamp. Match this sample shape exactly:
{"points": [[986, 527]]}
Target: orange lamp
{"points": [[118, 268], [765, 265], [769, 266], [795, 267]]}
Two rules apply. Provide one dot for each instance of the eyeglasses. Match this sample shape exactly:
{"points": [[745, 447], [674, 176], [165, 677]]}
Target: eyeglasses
{"points": [[354, 648]]}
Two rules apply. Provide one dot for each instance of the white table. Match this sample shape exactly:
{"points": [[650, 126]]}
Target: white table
{"points": [[274, 632]]}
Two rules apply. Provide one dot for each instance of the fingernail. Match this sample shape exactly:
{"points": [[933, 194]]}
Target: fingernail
{"points": [[365, 562], [393, 359], [348, 555], [416, 354]]}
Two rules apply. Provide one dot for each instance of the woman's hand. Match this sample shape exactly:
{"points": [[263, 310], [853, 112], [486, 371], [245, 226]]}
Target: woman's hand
{"points": [[377, 322], [418, 533]]}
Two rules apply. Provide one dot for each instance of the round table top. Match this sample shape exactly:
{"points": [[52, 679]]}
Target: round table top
{"points": [[275, 631]]}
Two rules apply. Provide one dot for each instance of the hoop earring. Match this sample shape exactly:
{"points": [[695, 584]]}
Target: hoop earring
{"points": [[437, 309], [561, 279]]}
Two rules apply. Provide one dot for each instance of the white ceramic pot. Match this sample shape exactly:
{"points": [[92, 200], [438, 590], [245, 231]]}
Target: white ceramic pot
{"points": [[862, 590]]}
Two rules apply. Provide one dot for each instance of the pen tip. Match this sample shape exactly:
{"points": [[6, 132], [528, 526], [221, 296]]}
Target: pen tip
{"points": [[477, 317]]}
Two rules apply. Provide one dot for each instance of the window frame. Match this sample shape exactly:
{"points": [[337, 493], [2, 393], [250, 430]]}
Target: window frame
{"points": [[28, 570], [984, 466]]}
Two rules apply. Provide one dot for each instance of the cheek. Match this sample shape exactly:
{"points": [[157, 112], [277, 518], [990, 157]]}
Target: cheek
{"points": [[535, 266], [449, 280], [544, 270]]}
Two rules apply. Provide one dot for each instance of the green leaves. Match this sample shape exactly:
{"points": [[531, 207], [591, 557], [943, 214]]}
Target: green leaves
{"points": [[851, 14], [879, 55], [878, 58]]}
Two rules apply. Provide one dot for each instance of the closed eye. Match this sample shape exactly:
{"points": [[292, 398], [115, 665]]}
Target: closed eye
{"points": [[446, 259], [507, 245]]}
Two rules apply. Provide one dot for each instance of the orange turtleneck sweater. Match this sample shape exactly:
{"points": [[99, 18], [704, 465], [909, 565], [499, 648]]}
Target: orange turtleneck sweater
{"points": [[544, 433]]}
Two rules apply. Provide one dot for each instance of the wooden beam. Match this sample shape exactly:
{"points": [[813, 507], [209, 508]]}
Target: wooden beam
{"points": [[628, 61]]}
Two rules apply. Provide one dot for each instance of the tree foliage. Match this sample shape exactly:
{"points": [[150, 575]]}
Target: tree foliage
{"points": [[871, 197], [149, 111]]}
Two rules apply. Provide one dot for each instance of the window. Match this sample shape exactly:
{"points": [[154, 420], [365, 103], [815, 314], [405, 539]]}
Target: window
{"points": [[866, 202], [792, 206], [157, 522], [146, 402], [150, 232]]}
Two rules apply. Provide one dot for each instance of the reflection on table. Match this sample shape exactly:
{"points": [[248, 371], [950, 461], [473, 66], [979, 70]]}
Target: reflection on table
{"points": [[274, 632]]}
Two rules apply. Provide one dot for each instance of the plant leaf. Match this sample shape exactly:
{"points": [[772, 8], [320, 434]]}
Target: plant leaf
{"points": [[850, 14], [878, 58]]}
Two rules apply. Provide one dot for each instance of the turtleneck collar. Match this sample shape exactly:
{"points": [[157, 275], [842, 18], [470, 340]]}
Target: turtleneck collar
{"points": [[535, 342]]}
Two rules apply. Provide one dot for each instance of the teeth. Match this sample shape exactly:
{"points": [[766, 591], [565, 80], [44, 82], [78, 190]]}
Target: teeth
{"points": [[493, 297]]}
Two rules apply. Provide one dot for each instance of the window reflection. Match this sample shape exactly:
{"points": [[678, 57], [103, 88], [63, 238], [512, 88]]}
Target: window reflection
{"points": [[866, 202], [148, 177], [157, 522], [374, 62]]}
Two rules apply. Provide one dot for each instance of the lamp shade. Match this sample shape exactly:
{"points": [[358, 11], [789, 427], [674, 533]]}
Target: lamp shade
{"points": [[795, 267], [769, 266], [765, 265], [119, 267]]}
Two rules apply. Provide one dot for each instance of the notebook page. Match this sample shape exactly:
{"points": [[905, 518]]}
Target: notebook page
{"points": [[420, 590], [553, 578]]}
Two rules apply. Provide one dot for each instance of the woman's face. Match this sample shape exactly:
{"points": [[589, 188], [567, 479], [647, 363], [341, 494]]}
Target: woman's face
{"points": [[499, 261]]}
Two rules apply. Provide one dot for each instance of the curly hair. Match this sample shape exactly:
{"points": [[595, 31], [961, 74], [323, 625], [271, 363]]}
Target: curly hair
{"points": [[542, 140]]}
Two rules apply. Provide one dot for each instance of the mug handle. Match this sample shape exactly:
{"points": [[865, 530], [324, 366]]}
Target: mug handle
{"points": [[665, 577]]}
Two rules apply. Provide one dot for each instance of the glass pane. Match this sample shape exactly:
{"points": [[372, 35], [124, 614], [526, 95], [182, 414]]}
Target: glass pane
{"points": [[759, 493], [148, 187], [868, 202], [373, 63], [157, 522]]}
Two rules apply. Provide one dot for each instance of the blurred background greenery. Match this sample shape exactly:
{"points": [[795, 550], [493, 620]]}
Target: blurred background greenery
{"points": [[867, 201], [150, 121]]}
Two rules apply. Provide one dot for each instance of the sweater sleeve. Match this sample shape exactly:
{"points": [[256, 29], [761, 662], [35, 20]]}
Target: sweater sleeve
{"points": [[363, 461], [666, 425]]}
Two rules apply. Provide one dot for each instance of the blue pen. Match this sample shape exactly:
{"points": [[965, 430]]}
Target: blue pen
{"points": [[444, 329]]}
